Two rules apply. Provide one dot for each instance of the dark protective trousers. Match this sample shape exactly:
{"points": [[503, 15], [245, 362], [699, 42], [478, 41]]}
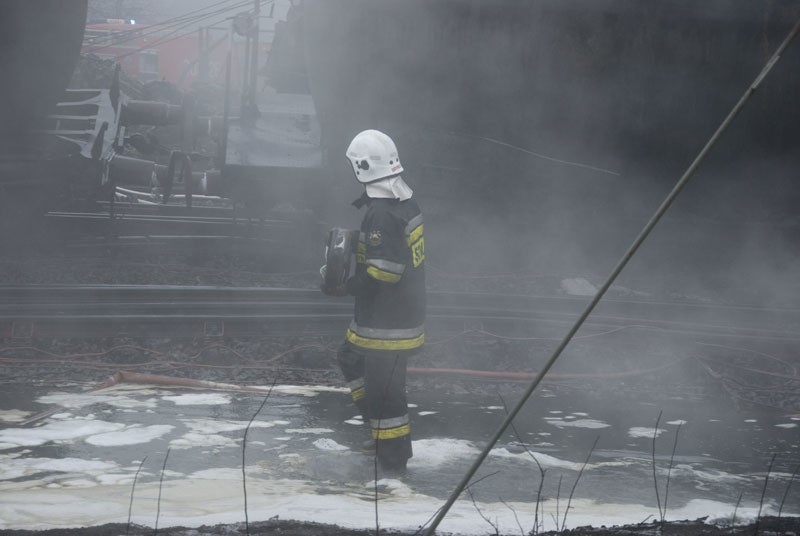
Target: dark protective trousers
{"points": [[377, 382]]}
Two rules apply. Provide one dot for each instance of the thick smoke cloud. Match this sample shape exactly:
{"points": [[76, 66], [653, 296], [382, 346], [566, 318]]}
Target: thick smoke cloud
{"points": [[598, 108]]}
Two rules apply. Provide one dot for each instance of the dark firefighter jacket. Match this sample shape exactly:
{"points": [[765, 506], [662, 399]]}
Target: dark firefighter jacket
{"points": [[389, 280]]}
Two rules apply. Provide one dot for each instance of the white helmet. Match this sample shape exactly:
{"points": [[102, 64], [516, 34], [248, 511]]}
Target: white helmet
{"points": [[374, 156]]}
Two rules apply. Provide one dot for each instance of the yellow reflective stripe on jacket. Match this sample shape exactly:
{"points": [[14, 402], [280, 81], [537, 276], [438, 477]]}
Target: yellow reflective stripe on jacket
{"points": [[416, 242], [392, 433], [418, 252], [358, 394], [385, 344], [414, 235], [361, 253], [381, 275]]}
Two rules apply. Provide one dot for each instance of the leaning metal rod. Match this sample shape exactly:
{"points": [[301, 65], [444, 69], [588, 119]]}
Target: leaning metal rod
{"points": [[611, 278]]}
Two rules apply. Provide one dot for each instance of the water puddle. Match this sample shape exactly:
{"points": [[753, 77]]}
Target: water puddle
{"points": [[77, 466]]}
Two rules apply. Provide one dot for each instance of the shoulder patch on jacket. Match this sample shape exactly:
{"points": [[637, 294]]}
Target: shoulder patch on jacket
{"points": [[374, 238]]}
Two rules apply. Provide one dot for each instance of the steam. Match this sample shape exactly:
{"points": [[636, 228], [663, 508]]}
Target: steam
{"points": [[493, 106]]}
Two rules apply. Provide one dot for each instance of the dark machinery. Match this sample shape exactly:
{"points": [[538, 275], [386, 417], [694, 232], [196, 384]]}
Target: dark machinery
{"points": [[610, 83], [73, 144]]}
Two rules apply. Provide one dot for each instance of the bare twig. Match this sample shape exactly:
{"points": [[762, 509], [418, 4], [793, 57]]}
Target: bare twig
{"points": [[481, 479], [424, 525], [536, 523], [542, 471], [431, 518], [554, 517], [244, 447], [133, 489], [655, 479], [764, 491], [558, 503], [786, 493], [160, 484], [736, 508], [516, 517], [643, 521], [669, 472], [489, 521], [575, 485]]}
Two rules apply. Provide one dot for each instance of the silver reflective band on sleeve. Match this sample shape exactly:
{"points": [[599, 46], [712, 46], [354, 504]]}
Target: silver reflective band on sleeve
{"points": [[381, 333], [384, 424], [415, 222], [387, 266]]}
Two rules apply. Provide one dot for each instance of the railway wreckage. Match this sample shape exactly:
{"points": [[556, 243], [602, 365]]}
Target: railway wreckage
{"points": [[94, 146], [564, 91]]}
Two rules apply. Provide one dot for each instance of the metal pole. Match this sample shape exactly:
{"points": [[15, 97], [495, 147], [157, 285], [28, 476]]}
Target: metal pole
{"points": [[227, 106], [254, 54], [620, 265], [246, 67]]}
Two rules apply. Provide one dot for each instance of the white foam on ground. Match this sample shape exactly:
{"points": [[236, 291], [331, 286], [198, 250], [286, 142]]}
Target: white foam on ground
{"points": [[641, 431], [215, 496], [208, 433], [14, 415], [12, 467], [81, 400], [93, 492], [704, 476], [195, 439], [131, 435], [547, 461], [71, 492], [433, 453], [199, 399], [217, 426], [328, 444], [56, 431], [578, 423], [306, 390], [313, 431]]}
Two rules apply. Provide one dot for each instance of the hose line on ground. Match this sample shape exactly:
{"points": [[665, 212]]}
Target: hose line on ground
{"points": [[662, 209]]}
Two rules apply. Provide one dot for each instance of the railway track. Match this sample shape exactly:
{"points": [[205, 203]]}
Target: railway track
{"points": [[191, 311], [157, 220]]}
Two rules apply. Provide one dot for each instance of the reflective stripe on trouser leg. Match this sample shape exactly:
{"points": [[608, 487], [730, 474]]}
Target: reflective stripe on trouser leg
{"points": [[352, 365], [391, 428], [357, 390], [385, 380]]}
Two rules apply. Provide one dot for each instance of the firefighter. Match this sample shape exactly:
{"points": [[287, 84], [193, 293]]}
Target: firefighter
{"points": [[389, 289]]}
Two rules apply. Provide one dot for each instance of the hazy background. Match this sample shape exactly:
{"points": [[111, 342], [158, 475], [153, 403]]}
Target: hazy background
{"points": [[543, 134], [540, 136]]}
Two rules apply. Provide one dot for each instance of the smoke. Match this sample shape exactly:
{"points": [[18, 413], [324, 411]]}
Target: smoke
{"points": [[598, 108]]}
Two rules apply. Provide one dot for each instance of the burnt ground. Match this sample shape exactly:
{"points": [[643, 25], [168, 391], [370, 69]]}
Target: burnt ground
{"points": [[311, 361]]}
